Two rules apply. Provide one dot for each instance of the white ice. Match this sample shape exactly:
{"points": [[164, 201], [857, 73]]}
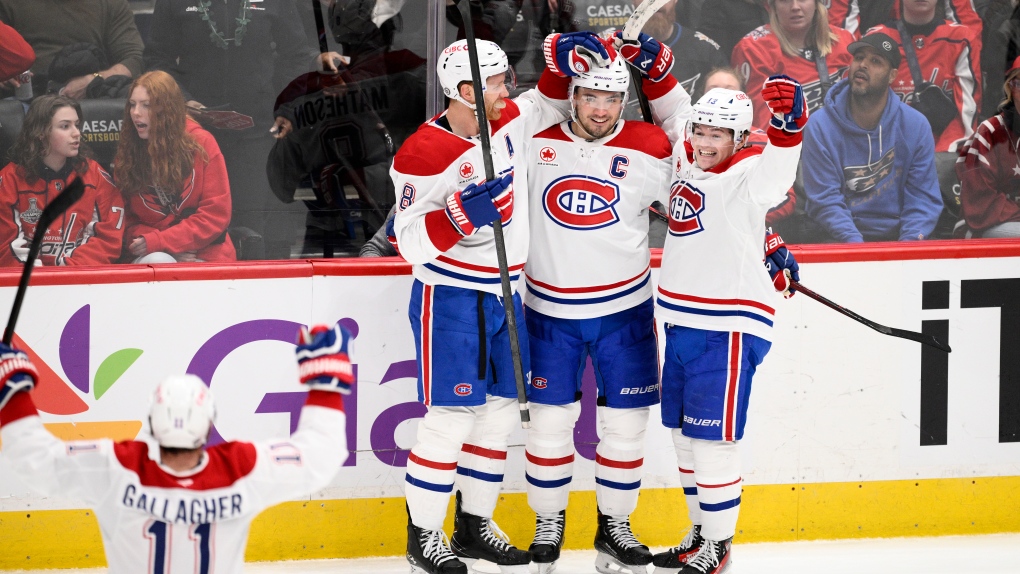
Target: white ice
{"points": [[989, 554]]}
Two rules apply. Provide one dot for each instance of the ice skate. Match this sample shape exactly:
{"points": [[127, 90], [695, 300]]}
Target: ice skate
{"points": [[618, 551], [545, 550], [712, 558], [672, 560], [476, 538], [429, 553]]}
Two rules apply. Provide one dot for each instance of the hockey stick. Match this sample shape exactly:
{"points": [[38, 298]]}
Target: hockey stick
{"points": [[497, 226], [631, 29], [53, 209], [891, 331]]}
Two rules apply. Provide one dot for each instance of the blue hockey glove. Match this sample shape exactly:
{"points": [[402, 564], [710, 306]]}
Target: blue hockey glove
{"points": [[785, 99], [322, 358], [17, 373], [782, 267], [574, 53], [652, 58], [478, 205]]}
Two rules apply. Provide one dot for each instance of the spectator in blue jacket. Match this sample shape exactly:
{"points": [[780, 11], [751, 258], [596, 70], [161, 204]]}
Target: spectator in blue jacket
{"points": [[869, 159]]}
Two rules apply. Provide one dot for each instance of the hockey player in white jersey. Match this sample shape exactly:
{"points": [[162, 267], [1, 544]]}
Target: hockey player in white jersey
{"points": [[714, 296], [589, 294], [465, 369], [182, 507]]}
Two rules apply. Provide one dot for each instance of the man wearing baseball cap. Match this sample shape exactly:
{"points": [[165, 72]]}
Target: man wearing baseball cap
{"points": [[869, 159]]}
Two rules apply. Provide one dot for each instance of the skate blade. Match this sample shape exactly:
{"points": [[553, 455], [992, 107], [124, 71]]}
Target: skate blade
{"points": [[606, 564], [476, 566], [661, 570], [546, 567]]}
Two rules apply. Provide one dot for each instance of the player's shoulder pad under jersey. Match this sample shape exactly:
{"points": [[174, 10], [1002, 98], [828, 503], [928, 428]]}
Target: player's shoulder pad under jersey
{"points": [[553, 133], [227, 463], [429, 151], [643, 137]]}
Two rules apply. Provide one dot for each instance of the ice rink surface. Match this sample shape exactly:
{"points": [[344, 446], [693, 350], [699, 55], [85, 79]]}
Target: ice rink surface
{"points": [[990, 554]]}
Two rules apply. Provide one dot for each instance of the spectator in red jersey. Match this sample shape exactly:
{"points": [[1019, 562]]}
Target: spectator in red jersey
{"points": [[948, 56], [989, 168], [174, 177], [16, 56], [46, 157], [798, 41]]}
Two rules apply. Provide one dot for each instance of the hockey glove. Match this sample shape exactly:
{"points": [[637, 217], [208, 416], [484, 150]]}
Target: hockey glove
{"points": [[322, 358], [17, 373], [20, 248], [785, 99], [781, 265], [652, 58], [574, 53], [476, 205]]}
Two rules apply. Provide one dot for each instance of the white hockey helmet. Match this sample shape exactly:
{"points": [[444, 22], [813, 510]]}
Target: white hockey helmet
{"points": [[454, 66], [182, 412], [612, 78], [723, 108]]}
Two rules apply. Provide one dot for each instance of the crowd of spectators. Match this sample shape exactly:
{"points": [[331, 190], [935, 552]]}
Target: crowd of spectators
{"points": [[238, 119]]}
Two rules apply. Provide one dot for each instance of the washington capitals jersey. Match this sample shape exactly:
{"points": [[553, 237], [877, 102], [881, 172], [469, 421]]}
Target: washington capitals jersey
{"points": [[589, 218], [154, 519], [434, 163], [713, 276], [845, 14], [758, 55], [700, 55], [949, 56]]}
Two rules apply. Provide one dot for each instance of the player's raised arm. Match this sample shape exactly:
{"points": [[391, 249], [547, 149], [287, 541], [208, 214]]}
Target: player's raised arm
{"points": [[45, 463], [777, 169], [311, 457], [670, 102]]}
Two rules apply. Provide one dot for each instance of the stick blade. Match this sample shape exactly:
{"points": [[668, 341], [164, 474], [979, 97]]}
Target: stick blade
{"points": [[921, 338], [640, 17]]}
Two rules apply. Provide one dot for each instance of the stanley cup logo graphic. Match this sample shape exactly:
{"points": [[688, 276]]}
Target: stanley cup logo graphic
{"points": [[31, 215]]}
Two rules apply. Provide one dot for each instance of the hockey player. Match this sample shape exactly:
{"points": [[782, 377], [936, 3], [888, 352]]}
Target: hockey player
{"points": [[719, 318], [589, 294], [185, 507], [465, 369]]}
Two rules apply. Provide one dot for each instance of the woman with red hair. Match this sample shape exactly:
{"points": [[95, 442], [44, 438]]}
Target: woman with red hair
{"points": [[798, 41], [173, 177]]}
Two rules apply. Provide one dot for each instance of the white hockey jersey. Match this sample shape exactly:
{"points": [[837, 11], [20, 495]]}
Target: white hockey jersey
{"points": [[713, 276], [153, 519], [434, 163], [589, 219]]}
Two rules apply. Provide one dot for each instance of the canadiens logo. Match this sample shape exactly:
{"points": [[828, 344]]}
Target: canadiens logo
{"points": [[685, 206], [581, 202], [466, 170], [539, 383], [547, 154], [463, 389]]}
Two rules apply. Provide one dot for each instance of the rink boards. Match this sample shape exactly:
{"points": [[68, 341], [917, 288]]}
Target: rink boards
{"points": [[850, 433]]}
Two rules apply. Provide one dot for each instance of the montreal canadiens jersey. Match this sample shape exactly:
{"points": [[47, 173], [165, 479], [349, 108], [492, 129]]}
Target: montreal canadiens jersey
{"points": [[713, 275], [949, 56], [758, 55], [589, 218], [434, 163], [153, 519]]}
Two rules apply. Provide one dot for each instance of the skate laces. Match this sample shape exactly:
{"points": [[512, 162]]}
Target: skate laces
{"points": [[621, 533], [494, 536], [548, 529], [435, 546], [707, 557], [689, 540]]}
